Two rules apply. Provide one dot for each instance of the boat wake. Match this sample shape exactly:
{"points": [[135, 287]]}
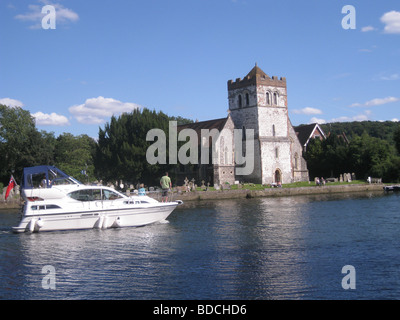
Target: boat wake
{"points": [[163, 221]]}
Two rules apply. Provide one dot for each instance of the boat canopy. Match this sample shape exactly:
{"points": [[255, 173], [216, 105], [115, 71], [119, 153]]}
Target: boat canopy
{"points": [[45, 177]]}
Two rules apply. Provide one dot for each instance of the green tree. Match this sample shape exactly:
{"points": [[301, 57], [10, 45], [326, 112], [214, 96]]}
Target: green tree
{"points": [[327, 158], [370, 156], [122, 146], [396, 138], [313, 156], [39, 149], [73, 154], [17, 127], [334, 160]]}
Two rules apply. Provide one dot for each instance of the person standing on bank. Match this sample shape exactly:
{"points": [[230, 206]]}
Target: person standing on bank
{"points": [[166, 184]]}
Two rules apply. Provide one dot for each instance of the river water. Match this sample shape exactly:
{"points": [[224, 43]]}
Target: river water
{"points": [[264, 248]]}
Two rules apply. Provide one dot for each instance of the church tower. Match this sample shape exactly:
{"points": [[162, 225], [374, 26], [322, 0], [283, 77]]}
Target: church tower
{"points": [[259, 102]]}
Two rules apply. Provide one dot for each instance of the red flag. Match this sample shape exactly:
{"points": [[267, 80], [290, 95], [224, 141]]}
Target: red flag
{"points": [[11, 185]]}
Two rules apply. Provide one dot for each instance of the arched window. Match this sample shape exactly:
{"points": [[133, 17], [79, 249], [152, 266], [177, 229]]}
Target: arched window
{"points": [[240, 101], [276, 152], [247, 99], [273, 130], [275, 98], [268, 97]]}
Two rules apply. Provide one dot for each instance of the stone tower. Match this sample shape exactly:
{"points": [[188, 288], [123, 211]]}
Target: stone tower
{"points": [[259, 102]]}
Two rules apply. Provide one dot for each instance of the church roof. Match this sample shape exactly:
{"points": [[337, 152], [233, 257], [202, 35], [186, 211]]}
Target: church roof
{"points": [[305, 132], [218, 124], [209, 124], [256, 71]]}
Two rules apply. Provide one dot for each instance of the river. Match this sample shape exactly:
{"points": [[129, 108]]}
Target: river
{"points": [[263, 248]]}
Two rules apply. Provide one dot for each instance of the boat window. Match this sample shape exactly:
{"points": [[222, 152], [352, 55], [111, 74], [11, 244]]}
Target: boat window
{"points": [[110, 195], [49, 206], [135, 201], [94, 194], [37, 180], [52, 206], [86, 195]]}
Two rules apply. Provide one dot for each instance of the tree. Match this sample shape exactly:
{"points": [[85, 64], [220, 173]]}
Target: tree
{"points": [[22, 145], [39, 149], [17, 127], [74, 154], [371, 156], [327, 158], [396, 138], [122, 146], [313, 157], [364, 155]]}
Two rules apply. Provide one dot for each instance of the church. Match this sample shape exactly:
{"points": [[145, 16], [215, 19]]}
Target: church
{"points": [[256, 102]]}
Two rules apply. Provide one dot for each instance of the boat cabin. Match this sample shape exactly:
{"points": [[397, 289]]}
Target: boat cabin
{"points": [[45, 177]]}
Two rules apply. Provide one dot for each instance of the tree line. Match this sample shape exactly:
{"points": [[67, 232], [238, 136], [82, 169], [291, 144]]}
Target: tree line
{"points": [[23, 145], [119, 153], [368, 149], [122, 146]]}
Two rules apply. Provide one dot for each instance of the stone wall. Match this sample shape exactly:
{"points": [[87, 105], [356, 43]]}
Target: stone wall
{"points": [[277, 192]]}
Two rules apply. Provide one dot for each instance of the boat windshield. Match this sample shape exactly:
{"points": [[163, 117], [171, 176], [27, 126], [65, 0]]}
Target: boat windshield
{"points": [[94, 194], [45, 177]]}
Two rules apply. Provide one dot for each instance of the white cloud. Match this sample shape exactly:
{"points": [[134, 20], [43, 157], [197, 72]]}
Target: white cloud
{"points": [[11, 102], [359, 117], [394, 76], [307, 110], [96, 110], [367, 29], [395, 120], [52, 119], [376, 102], [392, 22], [35, 15], [316, 120]]}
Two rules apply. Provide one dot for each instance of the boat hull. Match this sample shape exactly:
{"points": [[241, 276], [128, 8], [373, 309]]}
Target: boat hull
{"points": [[102, 219], [391, 188]]}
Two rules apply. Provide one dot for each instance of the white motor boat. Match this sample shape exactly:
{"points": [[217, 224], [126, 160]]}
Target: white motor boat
{"points": [[56, 201]]}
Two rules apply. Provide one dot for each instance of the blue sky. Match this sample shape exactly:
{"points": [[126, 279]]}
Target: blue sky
{"points": [[108, 57]]}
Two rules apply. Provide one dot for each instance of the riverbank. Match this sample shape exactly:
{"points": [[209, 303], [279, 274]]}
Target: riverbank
{"points": [[276, 192], [14, 203], [246, 193]]}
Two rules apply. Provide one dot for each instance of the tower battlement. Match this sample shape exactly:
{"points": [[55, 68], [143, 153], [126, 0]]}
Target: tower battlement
{"points": [[257, 77]]}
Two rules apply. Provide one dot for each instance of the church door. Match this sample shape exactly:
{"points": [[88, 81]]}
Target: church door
{"points": [[277, 176]]}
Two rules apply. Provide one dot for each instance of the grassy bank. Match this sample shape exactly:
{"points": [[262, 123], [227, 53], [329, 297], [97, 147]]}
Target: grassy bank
{"points": [[252, 186], [250, 190], [293, 189]]}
